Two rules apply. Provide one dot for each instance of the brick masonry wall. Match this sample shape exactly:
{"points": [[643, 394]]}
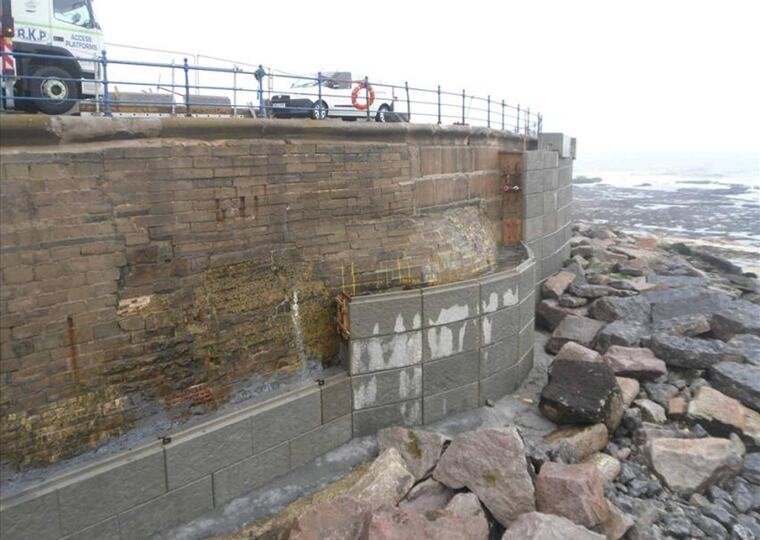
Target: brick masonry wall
{"points": [[164, 270]]}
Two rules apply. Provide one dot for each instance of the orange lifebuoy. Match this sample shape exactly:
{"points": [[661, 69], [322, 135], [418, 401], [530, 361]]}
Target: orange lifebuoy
{"points": [[355, 95]]}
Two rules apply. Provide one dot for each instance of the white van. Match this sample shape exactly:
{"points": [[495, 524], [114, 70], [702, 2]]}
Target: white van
{"points": [[341, 97], [66, 29]]}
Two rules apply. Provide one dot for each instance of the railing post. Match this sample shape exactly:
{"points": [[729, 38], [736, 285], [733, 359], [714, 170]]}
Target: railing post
{"points": [[517, 121], [489, 112], [540, 123], [234, 90], [319, 91], [106, 93], [527, 122], [463, 100], [186, 68], [174, 84], [366, 95], [260, 74], [439, 104], [408, 103], [502, 114]]}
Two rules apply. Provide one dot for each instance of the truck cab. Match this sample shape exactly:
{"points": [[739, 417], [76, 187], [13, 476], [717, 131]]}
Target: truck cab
{"points": [[67, 32]]}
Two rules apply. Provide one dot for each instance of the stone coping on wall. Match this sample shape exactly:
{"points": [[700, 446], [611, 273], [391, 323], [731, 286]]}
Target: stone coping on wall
{"points": [[26, 130], [162, 484]]}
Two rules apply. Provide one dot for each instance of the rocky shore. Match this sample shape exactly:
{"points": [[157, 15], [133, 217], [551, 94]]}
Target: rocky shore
{"points": [[654, 387]]}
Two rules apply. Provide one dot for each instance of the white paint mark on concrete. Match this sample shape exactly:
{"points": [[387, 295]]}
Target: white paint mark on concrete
{"points": [[399, 327], [511, 297], [492, 304], [410, 386], [376, 353], [451, 314], [365, 395], [487, 324], [417, 321], [376, 329]]}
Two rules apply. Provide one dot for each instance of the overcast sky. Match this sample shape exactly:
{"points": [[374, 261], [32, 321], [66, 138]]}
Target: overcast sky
{"points": [[649, 75]]}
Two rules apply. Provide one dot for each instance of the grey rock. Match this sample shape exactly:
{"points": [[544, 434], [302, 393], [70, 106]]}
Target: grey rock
{"points": [[687, 352], [420, 449], [660, 393], [711, 527], [491, 463], [742, 497], [685, 326], [744, 348], [581, 330], [751, 469], [591, 291], [634, 362], [651, 411], [671, 303], [385, 482], [625, 333], [581, 393], [740, 317], [570, 301], [718, 513], [740, 381], [740, 532], [549, 313], [636, 308], [677, 526]]}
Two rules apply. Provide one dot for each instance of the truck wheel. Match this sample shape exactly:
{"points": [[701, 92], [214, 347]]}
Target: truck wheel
{"points": [[52, 92], [319, 110]]}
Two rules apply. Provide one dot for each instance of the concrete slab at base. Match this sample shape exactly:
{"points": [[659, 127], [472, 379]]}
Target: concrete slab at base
{"points": [[449, 339], [320, 441], [446, 304], [438, 406], [385, 352], [237, 479], [369, 421], [449, 373], [387, 313], [384, 387], [36, 518], [285, 420]]}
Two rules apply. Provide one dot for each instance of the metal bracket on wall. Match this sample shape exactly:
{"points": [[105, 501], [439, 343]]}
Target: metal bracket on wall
{"points": [[510, 164], [344, 326]]}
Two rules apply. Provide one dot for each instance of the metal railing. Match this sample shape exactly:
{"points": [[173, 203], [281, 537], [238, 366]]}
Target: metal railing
{"points": [[266, 94]]}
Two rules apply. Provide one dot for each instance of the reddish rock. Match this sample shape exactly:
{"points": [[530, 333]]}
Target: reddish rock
{"points": [[617, 524], [334, 519], [636, 362], [574, 351], [420, 449], [581, 330], [572, 491], [426, 496], [385, 482], [717, 412], [630, 389], [557, 284], [397, 524], [579, 442], [538, 526], [549, 313], [677, 407], [609, 466], [651, 411], [491, 463]]}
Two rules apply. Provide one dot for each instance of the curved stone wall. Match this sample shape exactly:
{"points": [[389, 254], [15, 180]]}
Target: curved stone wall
{"points": [[418, 355]]}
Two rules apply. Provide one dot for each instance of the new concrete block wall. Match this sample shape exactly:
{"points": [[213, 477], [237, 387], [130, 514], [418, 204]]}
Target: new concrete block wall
{"points": [[146, 490], [417, 356], [547, 187]]}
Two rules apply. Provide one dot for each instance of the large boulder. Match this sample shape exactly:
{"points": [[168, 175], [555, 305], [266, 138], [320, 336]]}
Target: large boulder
{"points": [[539, 526], [549, 313], [744, 348], [586, 290], [635, 308], [624, 333], [385, 482], [740, 317], [572, 491], [426, 496], [581, 330], [716, 412], [420, 449], [556, 285], [692, 465], [581, 393], [573, 351], [491, 463], [685, 326], [467, 506], [333, 519], [398, 524], [651, 411], [740, 381], [635, 362], [575, 443], [677, 302], [617, 523], [686, 352]]}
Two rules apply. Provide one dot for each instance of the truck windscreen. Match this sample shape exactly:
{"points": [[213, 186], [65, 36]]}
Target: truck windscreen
{"points": [[76, 12]]}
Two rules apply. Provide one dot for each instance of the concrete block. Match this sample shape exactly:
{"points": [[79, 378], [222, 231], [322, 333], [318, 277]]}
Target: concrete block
{"points": [[533, 205], [533, 182], [30, 516], [527, 280], [384, 387], [446, 304], [558, 142], [498, 356], [549, 223], [565, 175], [540, 159], [536, 247], [551, 183], [499, 291], [527, 309], [449, 373], [500, 384], [369, 421], [533, 228], [387, 313], [336, 398], [526, 338], [454, 401], [564, 196], [240, 478], [499, 325], [174, 508], [105, 530], [550, 201], [111, 487], [448, 340], [198, 452], [286, 418], [385, 352], [320, 441]]}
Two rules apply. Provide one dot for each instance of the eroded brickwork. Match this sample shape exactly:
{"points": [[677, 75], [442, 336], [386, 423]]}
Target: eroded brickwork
{"points": [[165, 271]]}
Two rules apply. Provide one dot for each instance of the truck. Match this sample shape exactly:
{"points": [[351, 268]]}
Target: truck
{"points": [[69, 41]]}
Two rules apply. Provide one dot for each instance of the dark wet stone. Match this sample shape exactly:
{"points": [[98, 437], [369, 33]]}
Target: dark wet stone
{"points": [[742, 497], [687, 352], [744, 348], [581, 330], [591, 291], [686, 326], [740, 381], [570, 301], [718, 512], [710, 527], [635, 308], [678, 526], [625, 333], [740, 317], [751, 469], [660, 393], [672, 303]]}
